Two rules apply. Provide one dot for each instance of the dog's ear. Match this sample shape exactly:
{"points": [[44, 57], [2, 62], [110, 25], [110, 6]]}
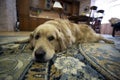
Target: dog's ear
{"points": [[31, 36], [65, 36], [61, 41]]}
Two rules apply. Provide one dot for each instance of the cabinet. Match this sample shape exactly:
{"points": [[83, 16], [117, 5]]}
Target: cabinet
{"points": [[40, 12]]}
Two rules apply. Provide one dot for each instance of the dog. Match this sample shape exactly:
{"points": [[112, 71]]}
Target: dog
{"points": [[57, 35]]}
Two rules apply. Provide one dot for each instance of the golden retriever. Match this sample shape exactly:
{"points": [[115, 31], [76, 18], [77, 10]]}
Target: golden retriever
{"points": [[56, 35]]}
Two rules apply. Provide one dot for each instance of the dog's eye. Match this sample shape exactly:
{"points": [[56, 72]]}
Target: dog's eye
{"points": [[50, 38], [37, 37]]}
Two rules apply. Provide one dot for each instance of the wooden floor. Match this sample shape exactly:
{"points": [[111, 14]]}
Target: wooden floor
{"points": [[14, 33], [20, 33]]}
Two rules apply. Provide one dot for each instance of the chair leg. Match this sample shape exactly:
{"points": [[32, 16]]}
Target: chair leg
{"points": [[113, 33]]}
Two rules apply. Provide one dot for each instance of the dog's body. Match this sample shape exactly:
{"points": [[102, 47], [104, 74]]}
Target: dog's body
{"points": [[56, 35]]}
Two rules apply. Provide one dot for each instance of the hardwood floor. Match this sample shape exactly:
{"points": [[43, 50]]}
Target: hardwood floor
{"points": [[14, 33]]}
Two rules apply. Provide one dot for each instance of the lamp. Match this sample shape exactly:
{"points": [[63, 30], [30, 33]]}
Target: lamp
{"points": [[58, 7]]}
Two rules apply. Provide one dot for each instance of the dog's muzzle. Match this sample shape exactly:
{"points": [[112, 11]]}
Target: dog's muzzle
{"points": [[40, 55]]}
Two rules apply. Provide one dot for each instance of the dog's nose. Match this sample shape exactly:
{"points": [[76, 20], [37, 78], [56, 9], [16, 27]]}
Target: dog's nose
{"points": [[39, 54]]}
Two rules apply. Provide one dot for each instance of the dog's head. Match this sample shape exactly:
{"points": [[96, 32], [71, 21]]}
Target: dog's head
{"points": [[48, 39]]}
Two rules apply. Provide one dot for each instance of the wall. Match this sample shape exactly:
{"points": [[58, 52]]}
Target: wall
{"points": [[7, 15], [111, 8], [107, 29]]}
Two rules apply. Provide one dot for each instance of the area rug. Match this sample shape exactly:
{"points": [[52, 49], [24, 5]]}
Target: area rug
{"points": [[104, 57], [66, 65], [90, 61], [16, 64], [14, 61]]}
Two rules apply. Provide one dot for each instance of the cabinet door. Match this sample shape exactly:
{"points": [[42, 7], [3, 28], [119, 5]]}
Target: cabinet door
{"points": [[24, 24], [32, 23], [23, 14], [42, 20], [22, 7]]}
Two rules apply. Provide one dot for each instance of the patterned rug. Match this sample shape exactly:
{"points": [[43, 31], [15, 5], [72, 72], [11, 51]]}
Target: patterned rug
{"points": [[104, 57], [14, 61], [93, 61], [66, 65]]}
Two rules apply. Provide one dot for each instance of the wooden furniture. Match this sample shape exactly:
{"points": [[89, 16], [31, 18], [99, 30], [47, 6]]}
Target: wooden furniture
{"points": [[23, 13], [25, 8], [80, 18], [27, 23], [94, 22]]}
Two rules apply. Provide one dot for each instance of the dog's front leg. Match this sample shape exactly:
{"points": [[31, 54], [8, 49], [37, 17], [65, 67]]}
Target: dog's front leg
{"points": [[106, 40]]}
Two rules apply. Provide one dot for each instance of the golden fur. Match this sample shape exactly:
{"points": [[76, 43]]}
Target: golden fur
{"points": [[56, 35]]}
